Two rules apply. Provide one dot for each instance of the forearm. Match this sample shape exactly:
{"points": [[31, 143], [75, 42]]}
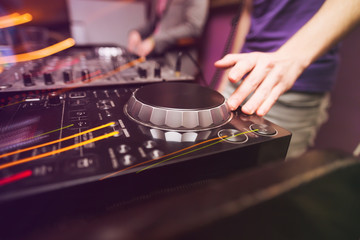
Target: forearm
{"points": [[190, 27], [333, 20]]}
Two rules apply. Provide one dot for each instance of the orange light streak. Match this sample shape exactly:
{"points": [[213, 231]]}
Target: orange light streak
{"points": [[7, 17], [56, 141], [25, 160], [38, 53], [155, 159], [14, 19]]}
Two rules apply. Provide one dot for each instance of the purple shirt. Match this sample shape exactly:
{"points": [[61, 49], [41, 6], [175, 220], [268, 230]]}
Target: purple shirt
{"points": [[273, 22]]}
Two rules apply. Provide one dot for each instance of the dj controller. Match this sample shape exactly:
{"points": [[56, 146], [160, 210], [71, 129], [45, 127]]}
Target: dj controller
{"points": [[92, 116]]}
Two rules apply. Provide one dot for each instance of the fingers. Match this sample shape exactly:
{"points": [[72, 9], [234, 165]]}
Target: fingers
{"points": [[266, 94], [270, 100], [228, 61], [251, 82]]}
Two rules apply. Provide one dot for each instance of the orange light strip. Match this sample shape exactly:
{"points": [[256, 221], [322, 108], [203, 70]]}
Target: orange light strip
{"points": [[7, 17], [14, 19], [39, 53], [56, 141], [25, 160]]}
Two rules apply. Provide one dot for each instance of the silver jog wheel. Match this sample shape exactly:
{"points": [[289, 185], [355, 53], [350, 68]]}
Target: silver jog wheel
{"points": [[178, 106]]}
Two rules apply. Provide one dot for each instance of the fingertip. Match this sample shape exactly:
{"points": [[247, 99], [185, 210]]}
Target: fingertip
{"points": [[232, 105], [233, 76], [260, 113], [246, 110], [219, 63]]}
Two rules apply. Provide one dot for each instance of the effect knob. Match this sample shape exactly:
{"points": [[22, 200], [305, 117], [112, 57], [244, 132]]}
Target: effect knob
{"points": [[67, 76], [27, 78], [54, 99], [48, 79]]}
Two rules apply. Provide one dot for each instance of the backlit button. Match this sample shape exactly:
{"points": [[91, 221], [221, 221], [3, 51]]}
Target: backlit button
{"points": [[149, 144], [127, 160], [43, 170], [78, 114], [105, 104], [81, 165], [263, 129], [78, 102], [77, 95], [233, 136], [156, 154], [123, 148], [80, 124]]}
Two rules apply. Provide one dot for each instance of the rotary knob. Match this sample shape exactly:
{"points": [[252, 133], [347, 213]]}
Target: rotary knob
{"points": [[54, 99], [178, 106]]}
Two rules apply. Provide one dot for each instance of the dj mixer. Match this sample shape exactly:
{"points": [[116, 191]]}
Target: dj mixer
{"points": [[95, 115]]}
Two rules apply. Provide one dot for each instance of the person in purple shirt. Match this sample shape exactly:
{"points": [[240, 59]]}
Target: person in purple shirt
{"points": [[288, 62]]}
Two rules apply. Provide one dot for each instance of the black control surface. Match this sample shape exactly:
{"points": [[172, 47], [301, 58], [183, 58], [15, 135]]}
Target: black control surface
{"points": [[53, 140]]}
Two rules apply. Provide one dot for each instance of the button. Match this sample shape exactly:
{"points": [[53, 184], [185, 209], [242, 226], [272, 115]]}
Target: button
{"points": [[5, 86], [33, 98], [263, 129], [43, 170], [78, 114], [104, 104], [156, 153], [150, 144], [78, 102], [123, 148], [85, 164], [77, 95], [80, 124], [233, 136], [127, 160]]}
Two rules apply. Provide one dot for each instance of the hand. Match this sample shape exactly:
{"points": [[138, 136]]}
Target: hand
{"points": [[134, 40], [269, 76], [146, 47]]}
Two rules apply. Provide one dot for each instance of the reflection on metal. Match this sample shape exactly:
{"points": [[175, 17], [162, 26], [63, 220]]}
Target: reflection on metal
{"points": [[174, 136]]}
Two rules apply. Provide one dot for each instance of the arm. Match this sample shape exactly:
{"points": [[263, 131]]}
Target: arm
{"points": [[190, 27], [271, 74]]}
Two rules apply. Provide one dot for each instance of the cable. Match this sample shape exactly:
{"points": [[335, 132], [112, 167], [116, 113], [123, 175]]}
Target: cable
{"points": [[234, 23], [201, 73]]}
